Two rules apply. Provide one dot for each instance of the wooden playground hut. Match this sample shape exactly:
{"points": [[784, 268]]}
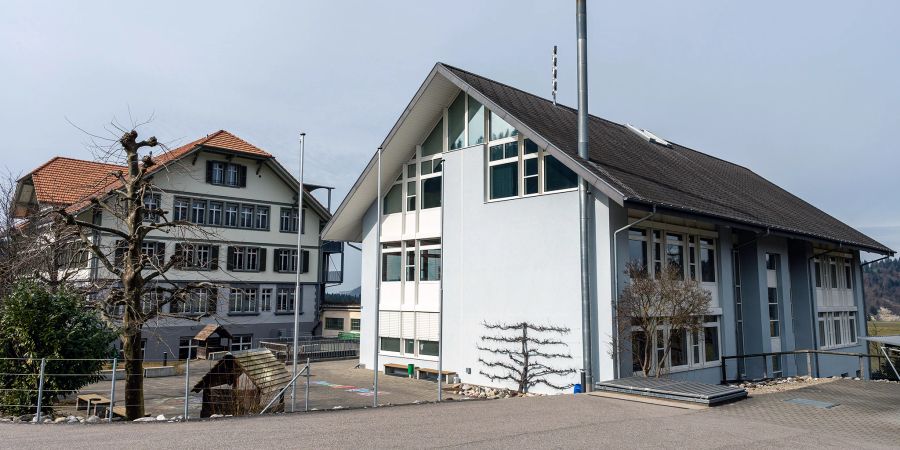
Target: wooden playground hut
{"points": [[210, 340], [242, 383]]}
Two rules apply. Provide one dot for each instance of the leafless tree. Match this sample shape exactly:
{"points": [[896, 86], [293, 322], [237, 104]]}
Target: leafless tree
{"points": [[140, 286], [44, 250], [522, 358], [648, 305]]}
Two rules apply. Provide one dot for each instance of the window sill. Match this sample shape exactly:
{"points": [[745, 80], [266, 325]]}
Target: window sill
{"points": [[519, 197], [239, 313], [285, 313]]}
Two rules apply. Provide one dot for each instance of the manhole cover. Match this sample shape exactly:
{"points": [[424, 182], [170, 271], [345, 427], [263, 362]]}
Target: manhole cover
{"points": [[815, 403]]}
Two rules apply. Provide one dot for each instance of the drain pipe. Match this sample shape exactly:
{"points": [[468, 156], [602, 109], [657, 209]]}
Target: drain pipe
{"points": [[587, 383], [615, 302]]}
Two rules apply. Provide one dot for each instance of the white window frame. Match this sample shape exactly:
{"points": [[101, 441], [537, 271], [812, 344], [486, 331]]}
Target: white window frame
{"points": [[692, 342]]}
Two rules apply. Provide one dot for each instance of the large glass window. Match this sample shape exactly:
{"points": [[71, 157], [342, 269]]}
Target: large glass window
{"points": [[431, 192], [503, 162], [500, 129], [637, 247], [476, 122], [707, 260], [679, 350], [428, 348], [390, 344], [456, 122], [557, 176], [675, 252], [430, 264], [393, 201], [390, 266], [434, 143]]}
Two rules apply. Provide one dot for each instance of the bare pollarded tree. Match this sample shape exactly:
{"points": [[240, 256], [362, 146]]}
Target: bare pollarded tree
{"points": [[139, 286], [525, 354], [654, 312]]}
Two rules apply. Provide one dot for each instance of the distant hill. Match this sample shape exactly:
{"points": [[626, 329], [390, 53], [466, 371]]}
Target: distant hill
{"points": [[349, 297], [882, 281]]}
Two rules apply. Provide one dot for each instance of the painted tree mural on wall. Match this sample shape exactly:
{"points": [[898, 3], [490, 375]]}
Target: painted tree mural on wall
{"points": [[525, 354]]}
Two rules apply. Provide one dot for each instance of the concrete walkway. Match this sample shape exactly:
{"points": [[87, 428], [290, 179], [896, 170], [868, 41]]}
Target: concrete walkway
{"points": [[561, 421]]}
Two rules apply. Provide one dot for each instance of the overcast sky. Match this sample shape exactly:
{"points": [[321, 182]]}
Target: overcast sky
{"points": [[805, 93]]}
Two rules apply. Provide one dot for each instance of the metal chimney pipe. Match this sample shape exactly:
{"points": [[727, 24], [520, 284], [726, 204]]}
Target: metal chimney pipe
{"points": [[584, 197]]}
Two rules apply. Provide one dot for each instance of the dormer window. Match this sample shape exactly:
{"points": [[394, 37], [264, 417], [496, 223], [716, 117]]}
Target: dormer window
{"points": [[223, 173]]}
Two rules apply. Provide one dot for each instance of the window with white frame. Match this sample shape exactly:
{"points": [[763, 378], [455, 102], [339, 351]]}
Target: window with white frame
{"points": [[181, 209], [265, 299], [284, 299], [354, 324], [289, 220], [243, 300], [246, 259], [196, 301], [674, 249], [837, 329], [198, 211], [215, 213], [197, 256], [241, 342], [151, 206], [286, 260], [411, 261], [391, 261], [516, 165], [688, 349]]}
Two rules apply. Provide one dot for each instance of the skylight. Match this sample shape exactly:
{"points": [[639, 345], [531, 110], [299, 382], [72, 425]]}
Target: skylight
{"points": [[648, 135]]}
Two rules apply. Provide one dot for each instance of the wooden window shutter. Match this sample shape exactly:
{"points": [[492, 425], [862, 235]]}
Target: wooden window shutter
{"points": [[262, 260], [179, 253], [242, 176], [160, 253], [213, 257], [212, 301], [119, 256], [304, 266], [209, 172], [229, 259]]}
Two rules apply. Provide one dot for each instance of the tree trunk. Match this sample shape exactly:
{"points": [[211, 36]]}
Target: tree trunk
{"points": [[134, 360]]}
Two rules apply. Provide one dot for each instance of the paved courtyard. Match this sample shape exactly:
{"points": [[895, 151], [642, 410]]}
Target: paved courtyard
{"points": [[867, 416], [333, 384]]}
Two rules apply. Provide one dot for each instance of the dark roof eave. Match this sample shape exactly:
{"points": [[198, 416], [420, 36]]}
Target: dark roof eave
{"points": [[758, 225]]}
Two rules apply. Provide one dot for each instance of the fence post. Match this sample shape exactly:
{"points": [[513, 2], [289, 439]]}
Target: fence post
{"points": [[765, 367], [112, 389], [40, 391], [809, 364], [862, 368], [187, 382], [306, 406]]}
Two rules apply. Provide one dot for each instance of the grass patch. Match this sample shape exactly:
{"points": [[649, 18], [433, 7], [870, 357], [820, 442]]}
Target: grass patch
{"points": [[883, 328]]}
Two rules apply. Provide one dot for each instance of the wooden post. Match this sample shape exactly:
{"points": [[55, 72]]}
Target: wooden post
{"points": [[809, 364], [862, 368]]}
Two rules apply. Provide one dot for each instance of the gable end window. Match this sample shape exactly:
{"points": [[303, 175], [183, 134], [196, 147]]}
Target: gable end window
{"points": [[223, 173]]}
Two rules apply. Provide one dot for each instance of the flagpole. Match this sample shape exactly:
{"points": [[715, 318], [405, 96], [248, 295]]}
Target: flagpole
{"points": [[377, 278], [297, 286], [440, 393]]}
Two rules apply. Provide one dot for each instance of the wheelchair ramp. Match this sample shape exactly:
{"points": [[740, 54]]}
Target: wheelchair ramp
{"points": [[685, 391]]}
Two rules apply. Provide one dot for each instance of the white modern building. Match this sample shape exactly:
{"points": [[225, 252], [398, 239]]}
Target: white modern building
{"points": [[244, 205], [480, 223]]}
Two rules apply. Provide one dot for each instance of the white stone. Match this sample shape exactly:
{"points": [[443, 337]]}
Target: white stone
{"points": [[215, 416], [161, 417], [92, 419], [145, 419], [59, 420]]}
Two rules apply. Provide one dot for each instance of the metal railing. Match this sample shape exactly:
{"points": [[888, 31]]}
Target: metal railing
{"points": [[314, 348], [304, 371], [771, 361]]}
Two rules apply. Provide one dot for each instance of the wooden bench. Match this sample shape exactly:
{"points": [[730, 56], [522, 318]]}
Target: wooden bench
{"points": [[433, 374], [87, 400], [99, 407], [397, 370]]}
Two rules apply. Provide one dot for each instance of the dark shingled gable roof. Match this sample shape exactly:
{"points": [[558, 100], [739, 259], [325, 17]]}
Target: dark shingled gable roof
{"points": [[677, 178]]}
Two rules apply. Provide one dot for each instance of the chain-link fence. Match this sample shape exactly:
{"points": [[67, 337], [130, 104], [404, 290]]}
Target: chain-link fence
{"points": [[246, 382]]}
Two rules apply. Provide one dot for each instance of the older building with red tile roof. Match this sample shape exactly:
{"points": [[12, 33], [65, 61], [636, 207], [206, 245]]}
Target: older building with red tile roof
{"points": [[243, 204]]}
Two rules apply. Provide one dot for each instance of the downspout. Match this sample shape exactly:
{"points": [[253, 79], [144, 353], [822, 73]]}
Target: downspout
{"points": [[615, 310], [583, 198]]}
